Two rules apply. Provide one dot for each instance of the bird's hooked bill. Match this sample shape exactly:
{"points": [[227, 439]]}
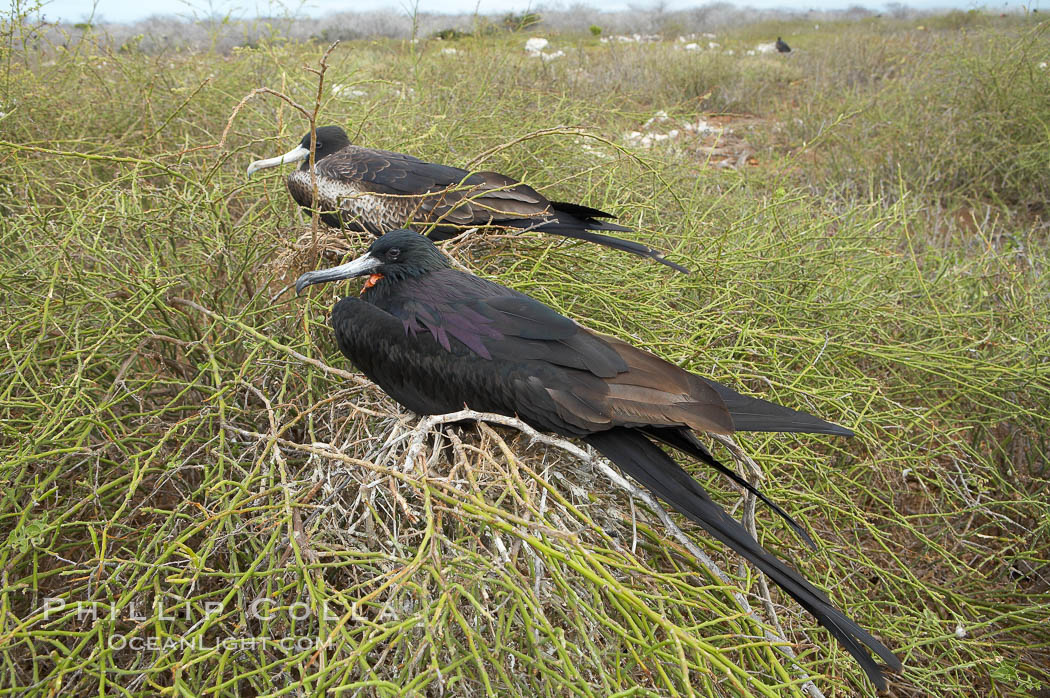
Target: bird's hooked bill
{"points": [[297, 154], [365, 264]]}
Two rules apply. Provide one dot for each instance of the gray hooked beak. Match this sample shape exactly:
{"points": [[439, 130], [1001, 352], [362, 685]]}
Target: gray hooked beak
{"points": [[299, 153], [365, 264]]}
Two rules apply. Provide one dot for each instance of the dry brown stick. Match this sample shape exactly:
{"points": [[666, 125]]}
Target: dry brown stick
{"points": [[315, 218]]}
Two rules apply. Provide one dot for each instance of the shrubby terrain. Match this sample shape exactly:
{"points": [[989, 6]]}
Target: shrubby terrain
{"points": [[196, 29], [179, 438]]}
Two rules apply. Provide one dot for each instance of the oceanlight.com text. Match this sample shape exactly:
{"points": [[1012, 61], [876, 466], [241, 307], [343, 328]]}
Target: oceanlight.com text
{"points": [[157, 644]]}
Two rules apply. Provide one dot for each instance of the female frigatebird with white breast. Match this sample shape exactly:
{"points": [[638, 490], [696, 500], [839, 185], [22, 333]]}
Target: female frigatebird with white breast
{"points": [[436, 339], [376, 191]]}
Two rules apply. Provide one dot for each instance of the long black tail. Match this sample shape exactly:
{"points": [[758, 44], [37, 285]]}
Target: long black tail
{"points": [[585, 227], [756, 414], [580, 211], [643, 460]]}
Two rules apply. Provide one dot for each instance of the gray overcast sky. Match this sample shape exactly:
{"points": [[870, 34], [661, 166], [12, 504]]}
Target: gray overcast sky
{"points": [[130, 10]]}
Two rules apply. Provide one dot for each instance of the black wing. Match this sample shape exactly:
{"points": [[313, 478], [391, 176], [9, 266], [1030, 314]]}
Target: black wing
{"points": [[601, 381]]}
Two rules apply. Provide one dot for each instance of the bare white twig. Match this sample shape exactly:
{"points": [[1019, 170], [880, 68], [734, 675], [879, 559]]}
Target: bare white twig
{"points": [[427, 424], [417, 437]]}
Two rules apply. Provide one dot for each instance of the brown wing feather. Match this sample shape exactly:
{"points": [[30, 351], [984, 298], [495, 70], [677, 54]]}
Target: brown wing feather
{"points": [[651, 392], [683, 397], [484, 197], [440, 192]]}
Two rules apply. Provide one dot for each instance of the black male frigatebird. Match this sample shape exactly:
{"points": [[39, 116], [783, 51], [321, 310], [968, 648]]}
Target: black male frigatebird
{"points": [[376, 191], [436, 339]]}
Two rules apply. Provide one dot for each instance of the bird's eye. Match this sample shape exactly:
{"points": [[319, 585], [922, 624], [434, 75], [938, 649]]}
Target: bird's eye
{"points": [[393, 253]]}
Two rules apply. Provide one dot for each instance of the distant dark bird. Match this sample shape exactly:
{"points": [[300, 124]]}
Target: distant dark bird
{"points": [[376, 191], [436, 339], [782, 46]]}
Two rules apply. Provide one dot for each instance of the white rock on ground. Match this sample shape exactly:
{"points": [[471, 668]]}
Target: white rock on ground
{"points": [[345, 91], [535, 45], [658, 118]]}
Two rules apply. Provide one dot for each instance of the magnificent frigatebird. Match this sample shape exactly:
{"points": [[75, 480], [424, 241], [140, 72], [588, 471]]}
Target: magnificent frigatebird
{"points": [[376, 191], [436, 339], [782, 46]]}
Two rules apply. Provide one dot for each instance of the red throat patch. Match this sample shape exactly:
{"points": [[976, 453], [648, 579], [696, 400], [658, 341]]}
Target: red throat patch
{"points": [[372, 281]]}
